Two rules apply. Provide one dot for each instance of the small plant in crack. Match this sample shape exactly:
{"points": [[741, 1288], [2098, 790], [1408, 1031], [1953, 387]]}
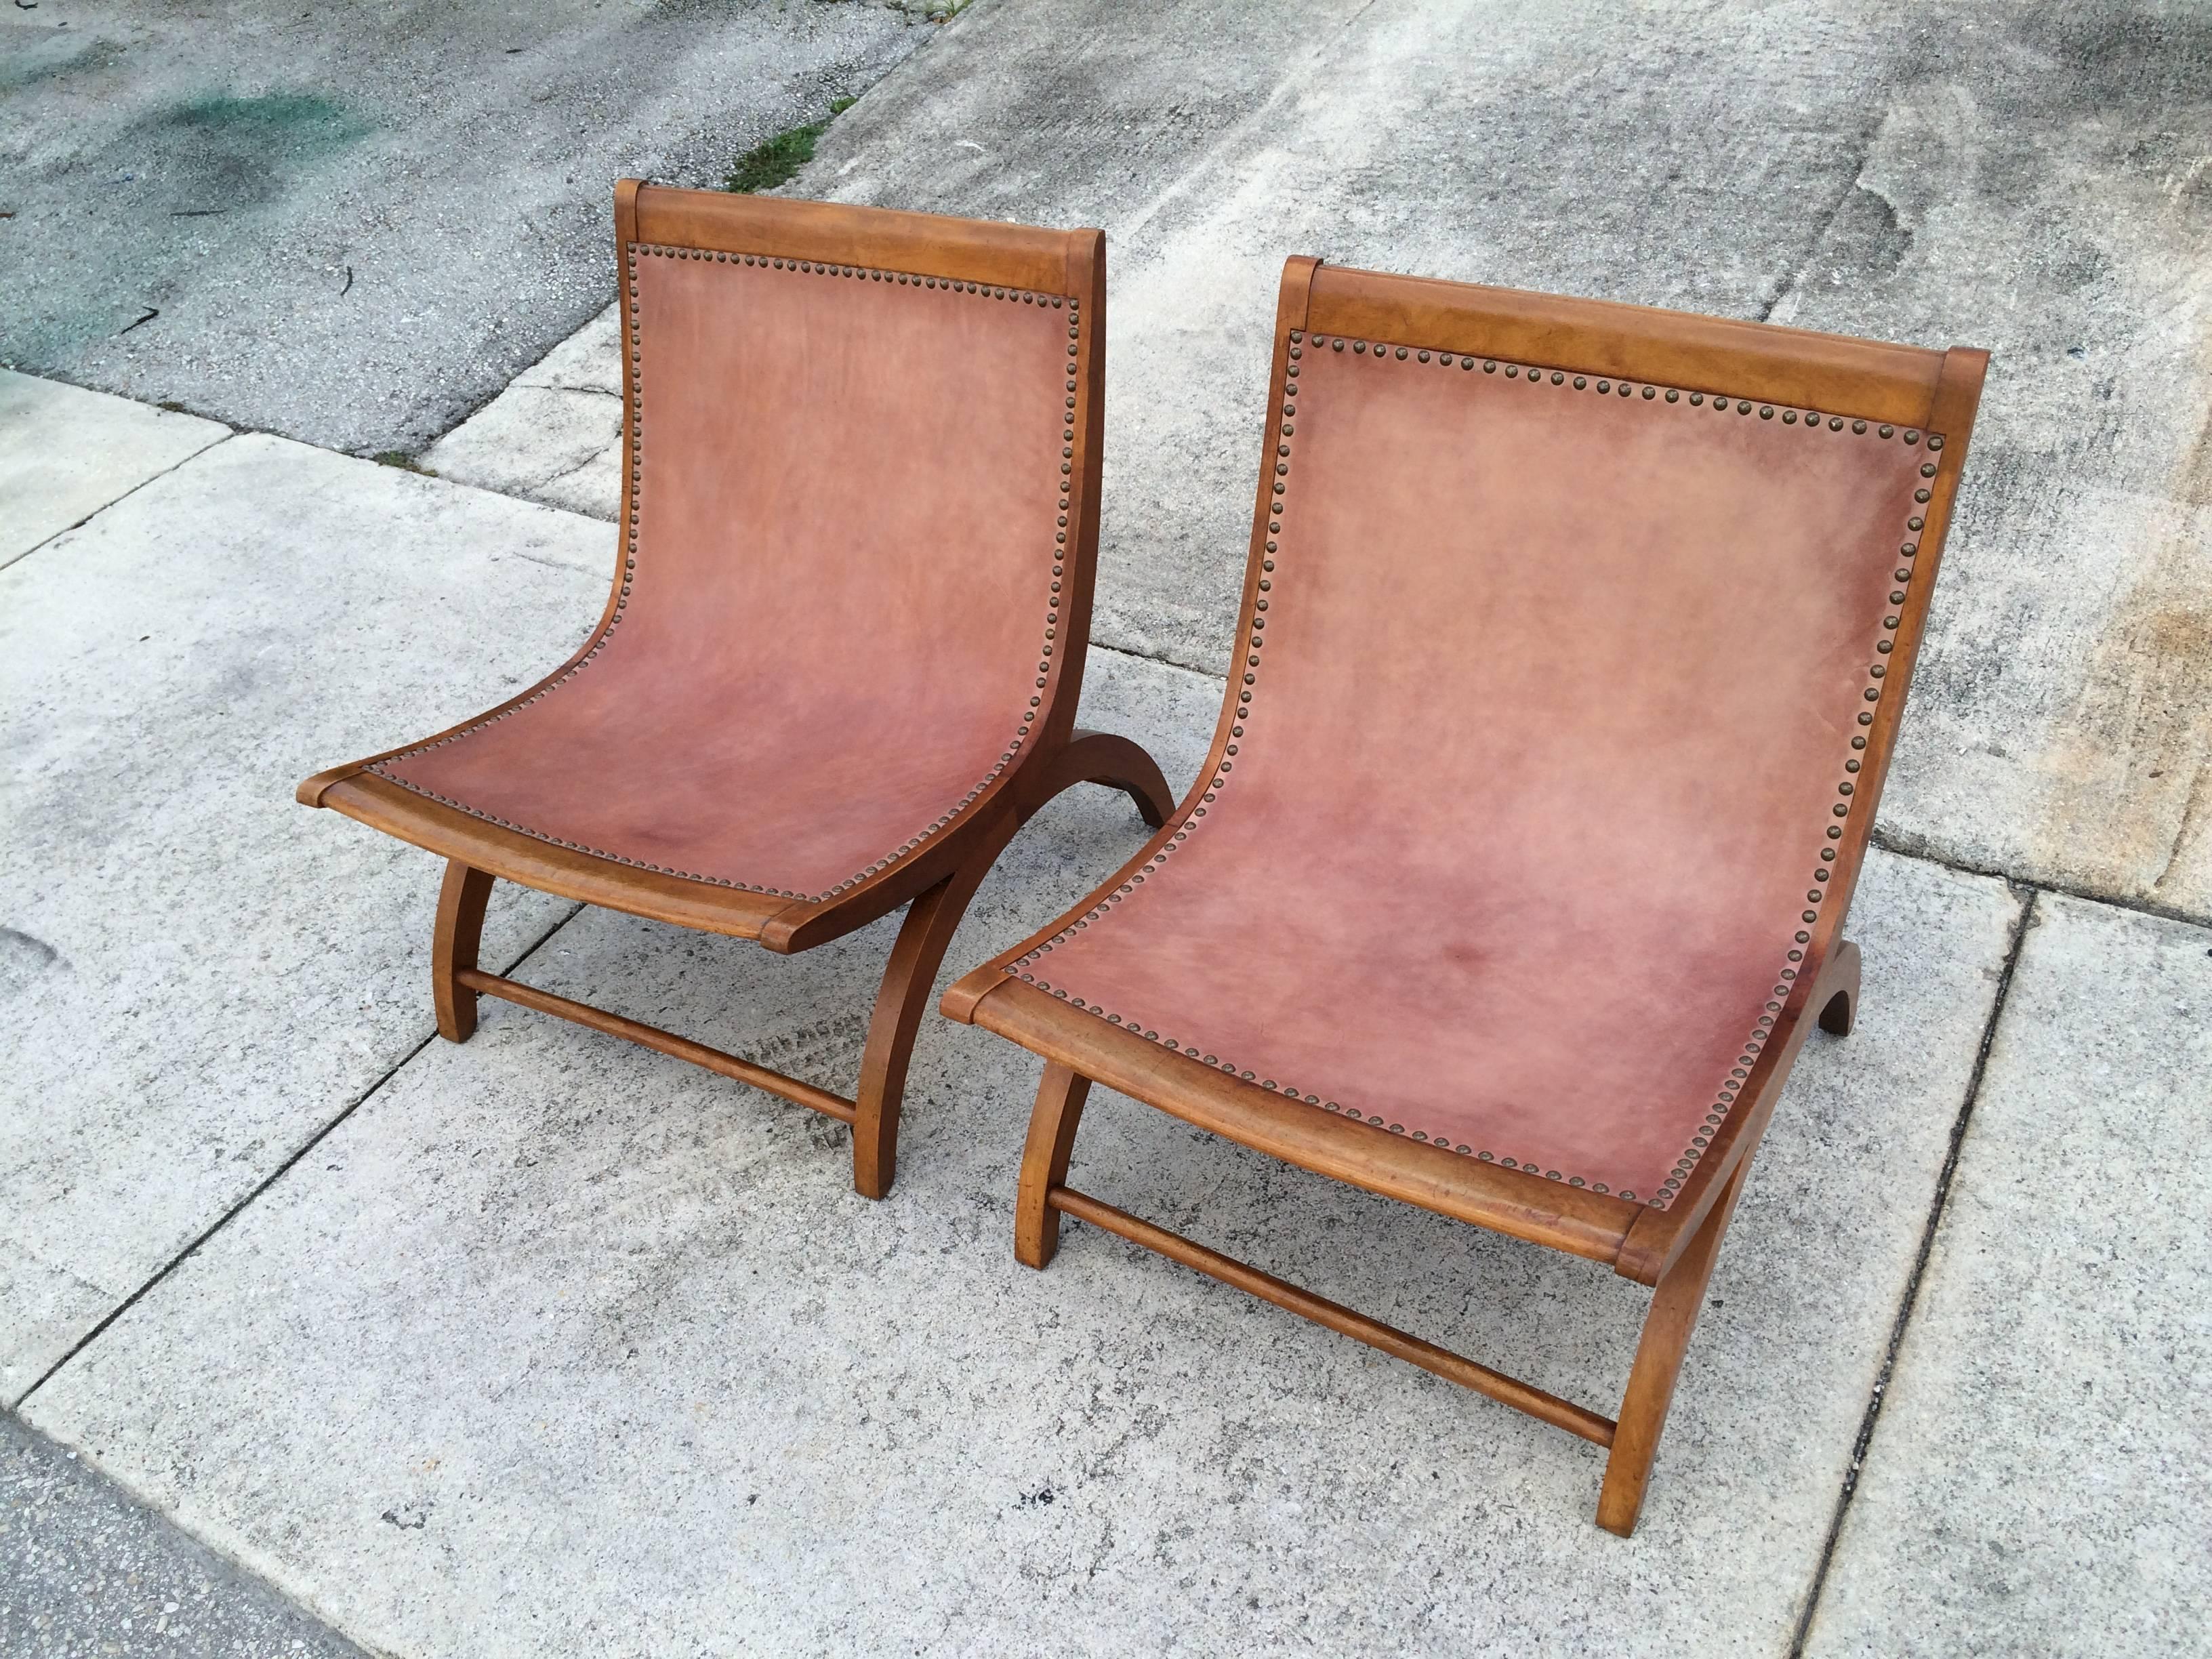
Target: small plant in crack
{"points": [[775, 160]]}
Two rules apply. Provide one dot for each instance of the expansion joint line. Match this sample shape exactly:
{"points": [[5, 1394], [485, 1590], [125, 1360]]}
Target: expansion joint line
{"points": [[1906, 1305], [262, 1186]]}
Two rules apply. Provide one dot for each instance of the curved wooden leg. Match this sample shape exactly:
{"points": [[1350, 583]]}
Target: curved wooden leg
{"points": [[1115, 762], [1839, 985], [1666, 1327], [908, 978], [453, 947], [934, 917], [1053, 1124]]}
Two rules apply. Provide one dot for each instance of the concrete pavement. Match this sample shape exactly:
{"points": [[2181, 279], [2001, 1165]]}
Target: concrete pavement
{"points": [[354, 224], [620, 1346], [65, 453], [2054, 1376]]}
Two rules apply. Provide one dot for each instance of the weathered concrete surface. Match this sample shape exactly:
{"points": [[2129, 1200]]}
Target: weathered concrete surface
{"points": [[2039, 1478], [197, 973], [557, 1342], [358, 223], [2035, 178], [85, 1570], [553, 437], [66, 452]]}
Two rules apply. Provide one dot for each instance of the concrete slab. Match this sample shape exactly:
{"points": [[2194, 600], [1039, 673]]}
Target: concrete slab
{"points": [[2039, 1480], [556, 1341], [353, 226], [2025, 177], [198, 973], [66, 452], [85, 1571], [553, 437]]}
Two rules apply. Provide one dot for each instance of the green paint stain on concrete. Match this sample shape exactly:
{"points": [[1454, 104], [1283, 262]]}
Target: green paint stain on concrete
{"points": [[226, 153], [303, 125]]}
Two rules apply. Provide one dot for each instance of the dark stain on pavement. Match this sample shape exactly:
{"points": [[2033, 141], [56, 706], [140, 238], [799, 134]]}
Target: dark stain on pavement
{"points": [[223, 151]]}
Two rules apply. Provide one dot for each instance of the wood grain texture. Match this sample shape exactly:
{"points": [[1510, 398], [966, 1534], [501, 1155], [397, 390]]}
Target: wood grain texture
{"points": [[1053, 1123], [458, 936], [1667, 1329]]}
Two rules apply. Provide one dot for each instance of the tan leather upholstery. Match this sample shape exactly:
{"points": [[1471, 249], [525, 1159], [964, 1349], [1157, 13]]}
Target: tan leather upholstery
{"points": [[1551, 691], [840, 611]]}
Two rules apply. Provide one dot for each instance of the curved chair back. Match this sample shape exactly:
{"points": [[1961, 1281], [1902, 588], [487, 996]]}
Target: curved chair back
{"points": [[852, 449], [1574, 641]]}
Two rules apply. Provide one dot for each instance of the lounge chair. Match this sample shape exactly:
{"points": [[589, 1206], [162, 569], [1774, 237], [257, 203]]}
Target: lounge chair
{"points": [[1574, 641], [839, 665]]}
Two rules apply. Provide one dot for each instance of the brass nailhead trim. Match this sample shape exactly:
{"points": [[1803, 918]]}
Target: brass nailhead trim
{"points": [[635, 412], [1815, 423]]}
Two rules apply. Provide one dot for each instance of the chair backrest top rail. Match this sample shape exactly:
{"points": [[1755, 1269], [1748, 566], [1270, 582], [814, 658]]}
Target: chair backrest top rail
{"points": [[1852, 377]]}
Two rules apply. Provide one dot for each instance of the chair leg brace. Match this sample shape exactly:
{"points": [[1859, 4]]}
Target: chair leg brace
{"points": [[932, 919], [1632, 1441]]}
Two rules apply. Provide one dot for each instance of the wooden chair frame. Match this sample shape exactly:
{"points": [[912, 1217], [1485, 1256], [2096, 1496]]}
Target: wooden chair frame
{"points": [[1671, 1249], [936, 881]]}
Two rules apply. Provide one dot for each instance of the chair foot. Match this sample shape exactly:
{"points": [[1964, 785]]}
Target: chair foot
{"points": [[1674, 1306], [453, 948], [1053, 1124], [1840, 985], [1117, 762]]}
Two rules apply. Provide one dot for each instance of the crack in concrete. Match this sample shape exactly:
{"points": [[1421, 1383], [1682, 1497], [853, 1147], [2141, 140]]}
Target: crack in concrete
{"points": [[2200, 798], [1959, 1127], [41, 547], [263, 1185], [550, 564], [593, 459], [1796, 275]]}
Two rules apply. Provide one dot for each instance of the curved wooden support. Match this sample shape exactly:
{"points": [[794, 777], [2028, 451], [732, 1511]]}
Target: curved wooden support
{"points": [[1115, 761], [1667, 1329], [908, 977], [1053, 1124], [935, 917], [1839, 985], [931, 921], [453, 948]]}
